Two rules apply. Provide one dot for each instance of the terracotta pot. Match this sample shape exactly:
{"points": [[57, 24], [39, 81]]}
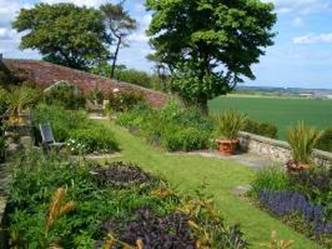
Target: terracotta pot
{"points": [[227, 147], [296, 167]]}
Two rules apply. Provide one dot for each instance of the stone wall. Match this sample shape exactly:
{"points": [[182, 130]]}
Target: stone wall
{"points": [[277, 150], [46, 74]]}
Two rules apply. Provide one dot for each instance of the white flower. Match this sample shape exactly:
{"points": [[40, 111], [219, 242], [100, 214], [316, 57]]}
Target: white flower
{"points": [[116, 90]]}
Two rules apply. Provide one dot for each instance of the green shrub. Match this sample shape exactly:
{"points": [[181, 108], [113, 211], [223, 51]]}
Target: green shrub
{"points": [[62, 121], [139, 117], [123, 101], [3, 101], [174, 127], [65, 94], [229, 123], [134, 77], [96, 96], [272, 179], [325, 141], [74, 128], [303, 140], [131, 76], [316, 185], [3, 146], [92, 139], [184, 139], [262, 129]]}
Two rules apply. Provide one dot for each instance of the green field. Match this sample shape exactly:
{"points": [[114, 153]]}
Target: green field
{"points": [[283, 112]]}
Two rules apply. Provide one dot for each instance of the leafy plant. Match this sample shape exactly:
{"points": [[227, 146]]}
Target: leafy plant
{"points": [[93, 138], [229, 123], [65, 94], [275, 243], [271, 178], [303, 140], [325, 141], [184, 139], [3, 100], [3, 146], [174, 127], [63, 121], [58, 207], [18, 99], [316, 185], [121, 174], [123, 101], [288, 202], [262, 129], [156, 232]]}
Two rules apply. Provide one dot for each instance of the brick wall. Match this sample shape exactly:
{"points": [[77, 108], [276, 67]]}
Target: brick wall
{"points": [[45, 74]]}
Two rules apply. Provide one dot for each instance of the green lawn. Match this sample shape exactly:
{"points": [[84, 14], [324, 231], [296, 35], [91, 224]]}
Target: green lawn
{"points": [[189, 172], [283, 112]]}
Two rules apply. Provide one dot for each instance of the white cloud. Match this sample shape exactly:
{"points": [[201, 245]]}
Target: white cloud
{"points": [[298, 22], [7, 34], [301, 6], [139, 35], [89, 3], [313, 39]]}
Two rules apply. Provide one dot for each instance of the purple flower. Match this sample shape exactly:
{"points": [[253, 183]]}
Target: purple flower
{"points": [[284, 203]]}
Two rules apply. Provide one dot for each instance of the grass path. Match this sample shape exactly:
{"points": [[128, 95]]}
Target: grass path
{"points": [[221, 176]]}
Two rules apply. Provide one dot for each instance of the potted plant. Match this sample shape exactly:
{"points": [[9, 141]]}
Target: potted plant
{"points": [[302, 140], [18, 99], [228, 125]]}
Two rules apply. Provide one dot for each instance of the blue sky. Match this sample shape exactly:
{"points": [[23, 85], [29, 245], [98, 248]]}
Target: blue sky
{"points": [[301, 56]]}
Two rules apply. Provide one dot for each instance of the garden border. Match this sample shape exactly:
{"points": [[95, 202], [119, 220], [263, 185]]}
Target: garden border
{"points": [[278, 150]]}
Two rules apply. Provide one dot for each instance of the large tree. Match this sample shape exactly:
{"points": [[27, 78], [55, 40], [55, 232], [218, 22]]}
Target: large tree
{"points": [[209, 45], [121, 24], [64, 34]]}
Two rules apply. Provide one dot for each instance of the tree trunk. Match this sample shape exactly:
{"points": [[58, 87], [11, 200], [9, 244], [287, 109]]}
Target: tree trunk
{"points": [[116, 56]]}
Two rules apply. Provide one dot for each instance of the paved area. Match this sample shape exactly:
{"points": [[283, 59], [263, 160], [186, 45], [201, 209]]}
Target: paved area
{"points": [[100, 157], [94, 116], [253, 161]]}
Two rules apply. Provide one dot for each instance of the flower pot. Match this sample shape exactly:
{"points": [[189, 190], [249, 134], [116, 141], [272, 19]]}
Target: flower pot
{"points": [[227, 147], [296, 167]]}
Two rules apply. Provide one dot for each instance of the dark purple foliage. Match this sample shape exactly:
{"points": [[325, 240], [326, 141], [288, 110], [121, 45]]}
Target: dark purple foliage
{"points": [[313, 180], [168, 232], [121, 174], [286, 203]]}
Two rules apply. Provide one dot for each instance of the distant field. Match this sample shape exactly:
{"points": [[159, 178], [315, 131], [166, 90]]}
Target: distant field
{"points": [[283, 112]]}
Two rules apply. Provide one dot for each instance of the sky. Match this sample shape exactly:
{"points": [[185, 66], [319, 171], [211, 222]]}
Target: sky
{"points": [[300, 57]]}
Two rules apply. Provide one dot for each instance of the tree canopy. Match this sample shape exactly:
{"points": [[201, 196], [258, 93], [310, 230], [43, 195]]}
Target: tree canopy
{"points": [[209, 45], [120, 23], [64, 34]]}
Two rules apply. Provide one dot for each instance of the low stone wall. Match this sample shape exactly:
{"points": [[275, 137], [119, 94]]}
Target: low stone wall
{"points": [[277, 150]]}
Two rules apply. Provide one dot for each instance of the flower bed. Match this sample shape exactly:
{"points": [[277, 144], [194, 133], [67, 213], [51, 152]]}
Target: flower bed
{"points": [[55, 203], [302, 200], [173, 127], [121, 174], [81, 135]]}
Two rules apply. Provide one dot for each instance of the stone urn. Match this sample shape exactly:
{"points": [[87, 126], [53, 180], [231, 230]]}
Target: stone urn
{"points": [[227, 147]]}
